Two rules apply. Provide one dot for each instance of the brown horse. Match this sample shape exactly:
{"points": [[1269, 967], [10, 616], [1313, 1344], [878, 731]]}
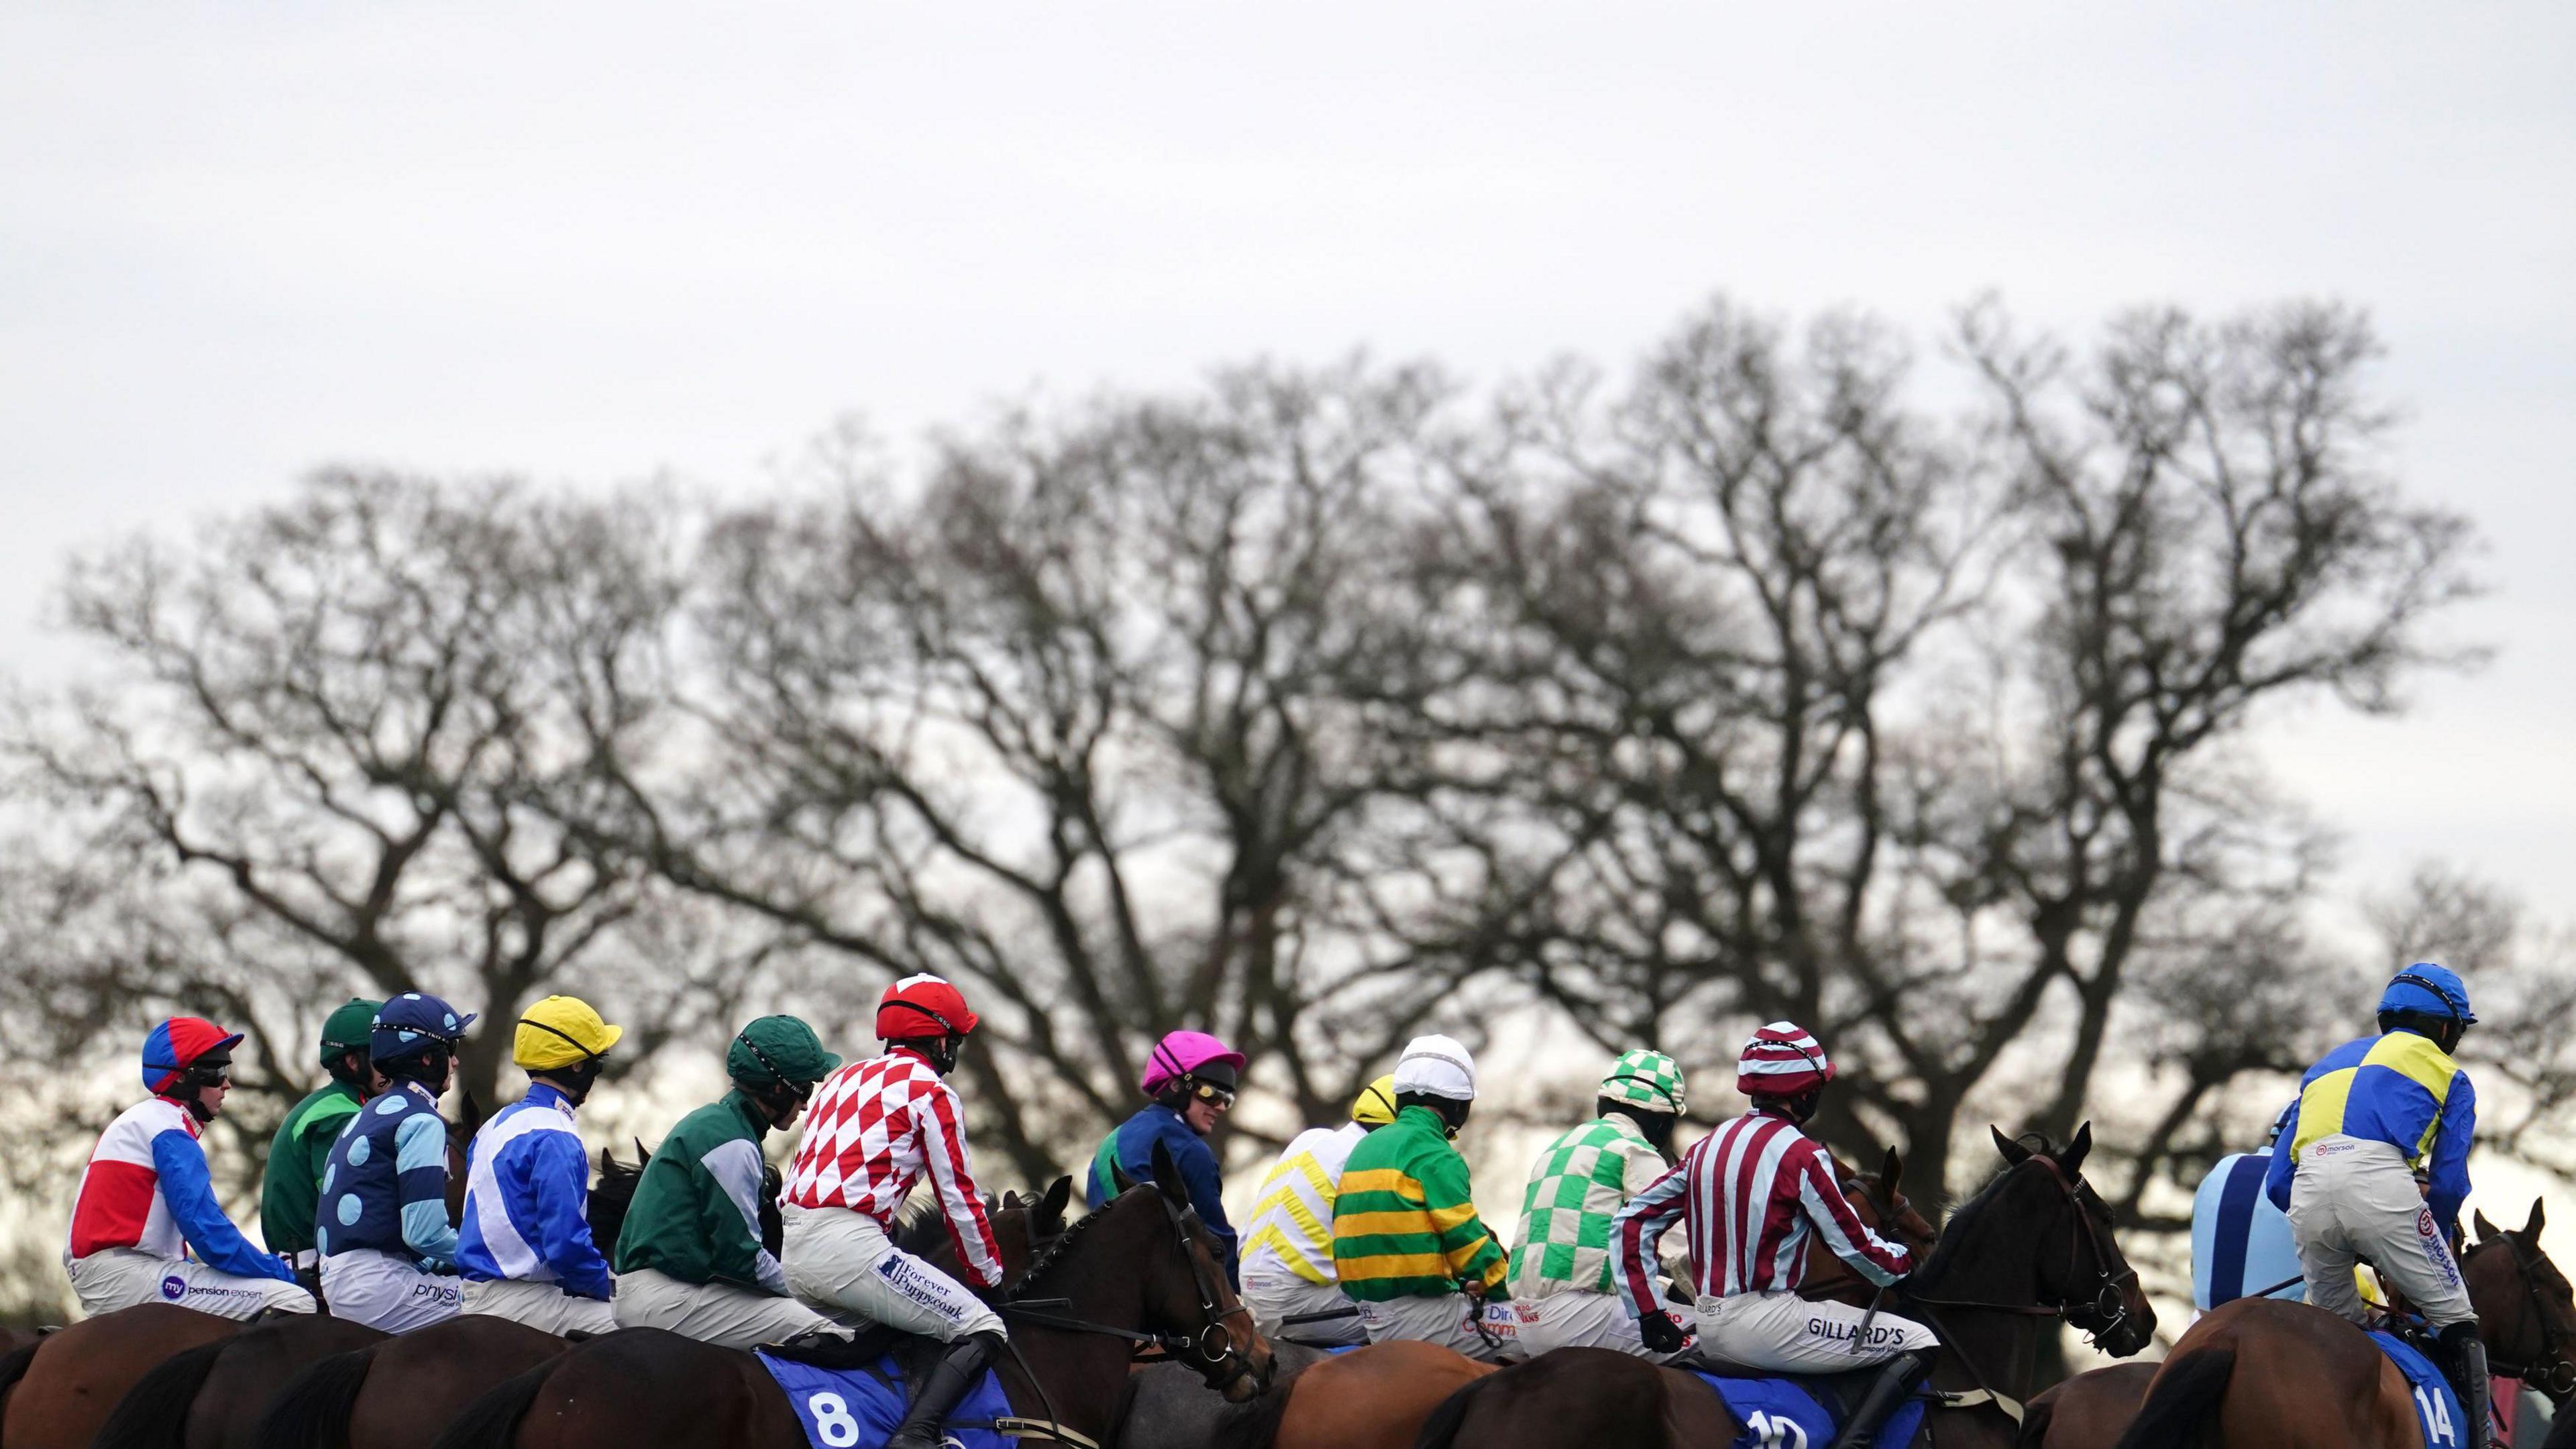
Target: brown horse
{"points": [[2526, 1317], [1142, 1268], [211, 1396], [2033, 1249], [402, 1393], [64, 1387], [1379, 1397]]}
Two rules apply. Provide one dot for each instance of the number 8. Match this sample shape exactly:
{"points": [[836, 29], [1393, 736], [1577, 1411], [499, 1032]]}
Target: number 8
{"points": [[832, 1421]]}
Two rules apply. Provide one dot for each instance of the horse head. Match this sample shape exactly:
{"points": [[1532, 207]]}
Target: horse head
{"points": [[2072, 1259], [2526, 1312]]}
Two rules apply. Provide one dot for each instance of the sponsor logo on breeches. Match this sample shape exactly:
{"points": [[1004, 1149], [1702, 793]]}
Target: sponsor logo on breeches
{"points": [[175, 1288], [915, 1282], [2428, 1234], [1833, 1332]]}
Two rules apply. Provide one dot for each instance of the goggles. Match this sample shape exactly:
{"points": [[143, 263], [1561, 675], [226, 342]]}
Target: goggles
{"points": [[1223, 1097]]}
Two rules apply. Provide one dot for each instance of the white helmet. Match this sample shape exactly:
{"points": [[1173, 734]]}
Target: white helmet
{"points": [[1436, 1066]]}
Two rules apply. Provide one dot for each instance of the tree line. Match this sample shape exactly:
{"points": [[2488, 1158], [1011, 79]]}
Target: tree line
{"points": [[1783, 674]]}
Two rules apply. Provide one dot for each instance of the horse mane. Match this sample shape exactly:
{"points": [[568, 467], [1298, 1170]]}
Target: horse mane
{"points": [[1946, 1246], [1052, 1255]]}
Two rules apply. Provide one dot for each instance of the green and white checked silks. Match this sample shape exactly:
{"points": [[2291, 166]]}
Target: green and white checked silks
{"points": [[1580, 1183], [1647, 1079]]}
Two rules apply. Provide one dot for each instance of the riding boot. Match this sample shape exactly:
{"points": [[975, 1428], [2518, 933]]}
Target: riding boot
{"points": [[942, 1389], [1894, 1381], [2464, 1363]]}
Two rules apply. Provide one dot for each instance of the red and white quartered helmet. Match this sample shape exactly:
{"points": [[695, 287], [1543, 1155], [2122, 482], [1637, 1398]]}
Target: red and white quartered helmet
{"points": [[920, 1006], [1782, 1060]]}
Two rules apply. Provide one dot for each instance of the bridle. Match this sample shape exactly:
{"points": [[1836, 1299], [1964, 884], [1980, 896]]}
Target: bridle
{"points": [[2548, 1370], [2110, 1303], [1215, 1350]]}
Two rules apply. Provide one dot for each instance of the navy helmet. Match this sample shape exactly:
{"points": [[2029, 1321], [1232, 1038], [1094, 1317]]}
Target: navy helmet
{"points": [[412, 1022], [2429, 990]]}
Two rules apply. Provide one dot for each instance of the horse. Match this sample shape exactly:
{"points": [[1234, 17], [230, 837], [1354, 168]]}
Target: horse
{"points": [[2030, 1250], [214, 1396], [62, 1387], [2270, 1371], [401, 1394], [2088, 1411], [1142, 1269], [1378, 1397]]}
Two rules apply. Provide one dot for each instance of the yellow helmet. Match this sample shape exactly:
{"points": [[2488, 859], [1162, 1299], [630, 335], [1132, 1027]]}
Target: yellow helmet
{"points": [[559, 1032], [1375, 1105]]}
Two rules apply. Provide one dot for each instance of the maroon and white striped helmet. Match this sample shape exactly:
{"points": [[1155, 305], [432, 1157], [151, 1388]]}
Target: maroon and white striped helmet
{"points": [[1782, 1060]]}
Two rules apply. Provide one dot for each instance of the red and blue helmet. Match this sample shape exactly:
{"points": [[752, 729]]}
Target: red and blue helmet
{"points": [[179, 1043]]}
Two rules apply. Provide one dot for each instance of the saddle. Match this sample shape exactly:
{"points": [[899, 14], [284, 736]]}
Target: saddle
{"points": [[1836, 1394], [849, 1391]]}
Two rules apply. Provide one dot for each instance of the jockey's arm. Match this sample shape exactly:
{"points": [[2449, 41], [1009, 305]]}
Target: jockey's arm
{"points": [[729, 1213], [420, 1187], [1637, 1230], [2447, 1165], [2277, 1172], [555, 1172], [943, 1156], [185, 1186], [1851, 1240]]}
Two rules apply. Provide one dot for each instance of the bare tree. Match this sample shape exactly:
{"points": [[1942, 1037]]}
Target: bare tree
{"points": [[1095, 724], [322, 753]]}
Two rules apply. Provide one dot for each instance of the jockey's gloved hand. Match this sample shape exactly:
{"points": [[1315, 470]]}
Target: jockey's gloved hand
{"points": [[1662, 1332]]}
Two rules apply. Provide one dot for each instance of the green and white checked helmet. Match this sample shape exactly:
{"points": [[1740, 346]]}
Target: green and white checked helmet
{"points": [[1645, 1079]]}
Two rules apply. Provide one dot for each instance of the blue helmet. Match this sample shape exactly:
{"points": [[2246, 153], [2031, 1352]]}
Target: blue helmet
{"points": [[2429, 989], [411, 1022]]}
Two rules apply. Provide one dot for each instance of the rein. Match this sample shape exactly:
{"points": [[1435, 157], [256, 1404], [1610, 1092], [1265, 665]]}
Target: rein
{"points": [[2548, 1370], [2106, 1291], [1213, 1347]]}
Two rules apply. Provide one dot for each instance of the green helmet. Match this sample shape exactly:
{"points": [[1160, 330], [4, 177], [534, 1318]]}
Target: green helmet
{"points": [[346, 1029], [778, 1051], [1647, 1079]]}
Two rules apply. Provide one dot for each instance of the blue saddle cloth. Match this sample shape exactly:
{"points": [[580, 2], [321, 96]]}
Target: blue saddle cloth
{"points": [[1786, 1414], [858, 1408], [2436, 1407]]}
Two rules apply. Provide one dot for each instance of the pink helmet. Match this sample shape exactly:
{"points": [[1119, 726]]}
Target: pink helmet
{"points": [[1190, 1054]]}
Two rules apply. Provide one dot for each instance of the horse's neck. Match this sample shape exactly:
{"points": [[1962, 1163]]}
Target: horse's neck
{"points": [[1980, 1347], [1074, 1378]]}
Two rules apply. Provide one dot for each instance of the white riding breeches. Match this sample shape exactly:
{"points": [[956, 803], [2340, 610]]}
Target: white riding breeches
{"points": [[1448, 1320], [727, 1315], [1275, 1300], [1578, 1319], [2355, 1198], [114, 1278], [1784, 1333], [543, 1306], [842, 1262], [385, 1292]]}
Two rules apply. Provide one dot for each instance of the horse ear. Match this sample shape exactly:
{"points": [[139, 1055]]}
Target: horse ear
{"points": [[1890, 1172], [2479, 1224], [2072, 1159], [1010, 1201], [1049, 1211], [641, 1156], [2531, 1226], [2014, 1153], [1167, 1176]]}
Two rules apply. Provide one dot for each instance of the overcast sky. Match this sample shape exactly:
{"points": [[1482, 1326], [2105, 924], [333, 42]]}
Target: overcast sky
{"points": [[596, 242]]}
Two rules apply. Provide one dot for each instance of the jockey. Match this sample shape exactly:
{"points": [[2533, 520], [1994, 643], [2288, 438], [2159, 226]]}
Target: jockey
{"points": [[302, 1148], [880, 1126], [1191, 1078], [524, 1247], [1288, 1278], [2366, 1117], [1407, 1243], [1562, 1272], [146, 1204], [1759, 1175], [690, 1258], [388, 1250]]}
